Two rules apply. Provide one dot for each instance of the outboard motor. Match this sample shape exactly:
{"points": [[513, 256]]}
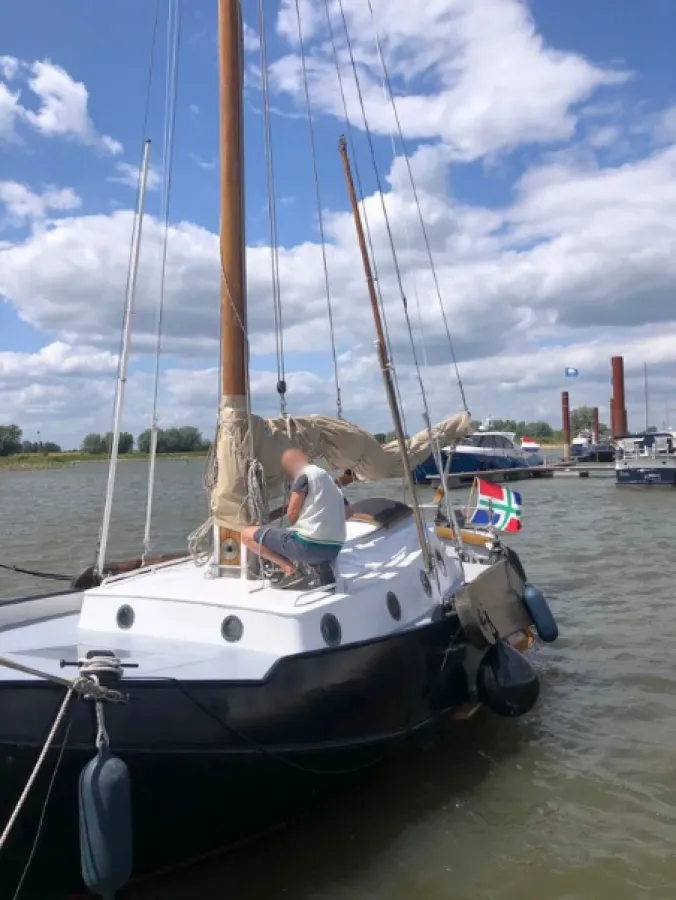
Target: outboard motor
{"points": [[506, 682]]}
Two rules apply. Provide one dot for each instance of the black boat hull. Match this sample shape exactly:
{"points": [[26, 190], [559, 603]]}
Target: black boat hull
{"points": [[214, 763]]}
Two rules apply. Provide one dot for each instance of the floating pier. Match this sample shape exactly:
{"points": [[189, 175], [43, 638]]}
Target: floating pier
{"points": [[561, 469]]}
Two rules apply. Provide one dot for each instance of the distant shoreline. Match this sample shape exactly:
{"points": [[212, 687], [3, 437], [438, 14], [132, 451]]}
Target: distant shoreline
{"points": [[24, 462]]}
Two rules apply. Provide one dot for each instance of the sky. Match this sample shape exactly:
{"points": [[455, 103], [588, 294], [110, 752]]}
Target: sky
{"points": [[541, 138]]}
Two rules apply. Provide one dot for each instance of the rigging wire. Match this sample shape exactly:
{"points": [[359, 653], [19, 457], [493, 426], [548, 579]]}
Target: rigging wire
{"points": [[386, 217], [272, 213], [388, 83], [311, 132], [364, 211], [170, 105], [132, 239], [434, 443]]}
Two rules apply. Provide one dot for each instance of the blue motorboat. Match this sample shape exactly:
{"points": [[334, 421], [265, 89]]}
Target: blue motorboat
{"points": [[481, 452]]}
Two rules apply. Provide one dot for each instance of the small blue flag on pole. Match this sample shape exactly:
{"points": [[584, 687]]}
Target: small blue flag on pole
{"points": [[571, 373]]}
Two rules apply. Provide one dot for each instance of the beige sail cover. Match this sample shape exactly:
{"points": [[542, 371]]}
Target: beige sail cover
{"points": [[340, 444]]}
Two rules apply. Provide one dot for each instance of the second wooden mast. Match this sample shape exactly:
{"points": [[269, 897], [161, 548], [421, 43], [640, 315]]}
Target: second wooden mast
{"points": [[234, 362]]}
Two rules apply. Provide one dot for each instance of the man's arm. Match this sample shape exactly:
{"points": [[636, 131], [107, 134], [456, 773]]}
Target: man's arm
{"points": [[299, 491]]}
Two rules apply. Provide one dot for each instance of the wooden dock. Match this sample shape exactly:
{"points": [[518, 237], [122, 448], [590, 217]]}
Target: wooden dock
{"points": [[549, 470]]}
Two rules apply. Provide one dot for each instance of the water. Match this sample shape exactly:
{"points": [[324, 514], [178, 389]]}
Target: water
{"points": [[576, 802]]}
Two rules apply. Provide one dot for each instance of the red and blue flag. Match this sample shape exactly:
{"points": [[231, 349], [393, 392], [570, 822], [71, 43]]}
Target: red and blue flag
{"points": [[497, 507]]}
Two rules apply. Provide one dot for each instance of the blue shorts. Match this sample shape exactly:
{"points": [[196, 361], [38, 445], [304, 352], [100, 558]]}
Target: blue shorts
{"points": [[284, 542]]}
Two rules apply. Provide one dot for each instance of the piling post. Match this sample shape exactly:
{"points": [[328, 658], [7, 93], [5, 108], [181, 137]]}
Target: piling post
{"points": [[565, 421], [595, 425], [619, 406], [613, 431]]}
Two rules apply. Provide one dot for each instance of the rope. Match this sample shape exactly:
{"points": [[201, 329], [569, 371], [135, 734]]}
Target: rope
{"points": [[51, 575], [43, 813], [146, 114], [258, 507], [86, 684], [63, 709], [390, 236], [201, 543], [272, 214], [360, 191], [320, 215], [388, 83], [171, 92]]}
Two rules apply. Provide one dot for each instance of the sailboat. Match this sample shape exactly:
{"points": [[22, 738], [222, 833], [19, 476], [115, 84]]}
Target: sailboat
{"points": [[221, 701]]}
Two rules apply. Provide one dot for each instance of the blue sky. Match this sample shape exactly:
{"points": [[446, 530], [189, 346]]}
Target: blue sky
{"points": [[540, 135]]}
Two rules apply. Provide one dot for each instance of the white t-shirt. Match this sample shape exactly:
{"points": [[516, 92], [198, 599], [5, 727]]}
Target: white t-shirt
{"points": [[322, 517]]}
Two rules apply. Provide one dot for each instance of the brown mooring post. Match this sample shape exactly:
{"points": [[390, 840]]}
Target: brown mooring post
{"points": [[595, 425], [612, 416], [619, 408], [565, 420]]}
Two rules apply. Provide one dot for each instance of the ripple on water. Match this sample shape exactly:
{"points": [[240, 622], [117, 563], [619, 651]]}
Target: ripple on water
{"points": [[576, 802]]}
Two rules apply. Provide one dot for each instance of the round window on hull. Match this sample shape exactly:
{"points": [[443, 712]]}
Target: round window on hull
{"points": [[232, 629], [332, 633], [393, 606], [425, 581], [125, 617]]}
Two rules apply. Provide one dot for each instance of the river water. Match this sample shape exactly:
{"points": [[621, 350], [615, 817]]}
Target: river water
{"points": [[575, 802]]}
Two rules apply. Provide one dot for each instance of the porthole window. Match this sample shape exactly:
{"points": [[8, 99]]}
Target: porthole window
{"points": [[424, 580], [331, 630], [393, 606], [125, 617], [441, 562], [232, 629]]}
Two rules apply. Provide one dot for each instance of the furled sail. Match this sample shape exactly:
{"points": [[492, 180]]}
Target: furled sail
{"points": [[342, 445]]}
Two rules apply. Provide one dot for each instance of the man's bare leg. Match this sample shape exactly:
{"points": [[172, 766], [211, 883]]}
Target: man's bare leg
{"points": [[253, 547]]}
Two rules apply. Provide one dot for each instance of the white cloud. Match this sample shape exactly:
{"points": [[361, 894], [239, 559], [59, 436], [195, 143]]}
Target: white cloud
{"points": [[203, 163], [582, 257], [663, 126], [490, 80], [23, 205], [55, 359], [128, 174], [10, 113], [251, 41], [63, 109], [194, 109], [9, 67], [604, 136], [577, 265]]}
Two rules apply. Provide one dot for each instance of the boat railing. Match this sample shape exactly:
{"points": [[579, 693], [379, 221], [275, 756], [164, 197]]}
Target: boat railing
{"points": [[146, 570], [658, 447]]}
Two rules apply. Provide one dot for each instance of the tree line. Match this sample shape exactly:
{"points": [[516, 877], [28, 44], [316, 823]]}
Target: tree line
{"points": [[12, 442], [581, 419], [186, 439]]}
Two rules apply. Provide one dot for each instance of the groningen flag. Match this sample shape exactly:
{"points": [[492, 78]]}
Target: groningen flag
{"points": [[497, 506]]}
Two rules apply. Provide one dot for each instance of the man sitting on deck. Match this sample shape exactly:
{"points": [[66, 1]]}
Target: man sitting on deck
{"points": [[317, 511]]}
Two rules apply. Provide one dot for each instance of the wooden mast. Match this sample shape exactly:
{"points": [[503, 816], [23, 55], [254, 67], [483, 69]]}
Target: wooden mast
{"points": [[233, 237]]}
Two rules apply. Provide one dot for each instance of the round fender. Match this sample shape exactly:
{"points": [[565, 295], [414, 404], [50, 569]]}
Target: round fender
{"points": [[105, 825], [506, 682], [539, 611]]}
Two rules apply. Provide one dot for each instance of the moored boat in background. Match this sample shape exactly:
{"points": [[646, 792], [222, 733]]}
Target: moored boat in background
{"points": [[481, 453], [646, 460]]}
